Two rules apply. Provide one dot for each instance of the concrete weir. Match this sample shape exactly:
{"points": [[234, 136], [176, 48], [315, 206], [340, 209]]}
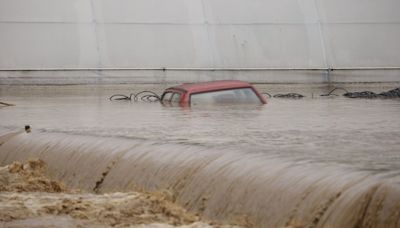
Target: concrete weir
{"points": [[217, 184]]}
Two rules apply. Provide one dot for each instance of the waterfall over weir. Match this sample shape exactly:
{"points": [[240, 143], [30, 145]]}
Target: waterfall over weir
{"points": [[224, 185]]}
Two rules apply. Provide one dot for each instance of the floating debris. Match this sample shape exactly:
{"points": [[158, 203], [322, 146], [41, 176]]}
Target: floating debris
{"points": [[289, 95], [6, 104], [146, 95], [394, 93], [28, 129], [331, 92]]}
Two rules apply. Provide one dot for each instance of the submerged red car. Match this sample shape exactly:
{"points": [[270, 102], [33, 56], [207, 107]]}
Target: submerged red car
{"points": [[215, 92]]}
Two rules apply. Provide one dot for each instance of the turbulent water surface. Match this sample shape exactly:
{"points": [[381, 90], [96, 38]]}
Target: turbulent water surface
{"points": [[315, 161]]}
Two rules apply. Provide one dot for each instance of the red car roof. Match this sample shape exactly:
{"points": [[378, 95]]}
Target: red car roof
{"points": [[211, 86]]}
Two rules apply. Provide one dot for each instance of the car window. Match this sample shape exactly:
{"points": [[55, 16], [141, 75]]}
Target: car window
{"points": [[167, 96], [176, 97], [230, 96]]}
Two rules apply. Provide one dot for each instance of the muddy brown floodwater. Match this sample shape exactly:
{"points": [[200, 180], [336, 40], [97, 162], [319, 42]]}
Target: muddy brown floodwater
{"points": [[312, 162], [29, 198]]}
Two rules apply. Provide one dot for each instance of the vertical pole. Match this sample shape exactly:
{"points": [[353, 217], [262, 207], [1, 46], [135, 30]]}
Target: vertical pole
{"points": [[323, 45]]}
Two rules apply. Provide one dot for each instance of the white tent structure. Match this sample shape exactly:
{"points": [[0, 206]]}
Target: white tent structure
{"points": [[121, 41]]}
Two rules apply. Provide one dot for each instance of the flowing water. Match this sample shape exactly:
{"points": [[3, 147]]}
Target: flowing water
{"points": [[311, 162]]}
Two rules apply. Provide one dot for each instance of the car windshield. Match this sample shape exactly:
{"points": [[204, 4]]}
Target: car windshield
{"points": [[228, 96]]}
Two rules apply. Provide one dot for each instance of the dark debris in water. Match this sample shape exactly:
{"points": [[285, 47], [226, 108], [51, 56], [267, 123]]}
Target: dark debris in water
{"points": [[394, 93], [147, 96], [289, 95], [331, 92]]}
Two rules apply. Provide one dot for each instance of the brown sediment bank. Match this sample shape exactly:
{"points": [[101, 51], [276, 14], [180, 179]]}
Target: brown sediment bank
{"points": [[225, 186], [29, 198]]}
